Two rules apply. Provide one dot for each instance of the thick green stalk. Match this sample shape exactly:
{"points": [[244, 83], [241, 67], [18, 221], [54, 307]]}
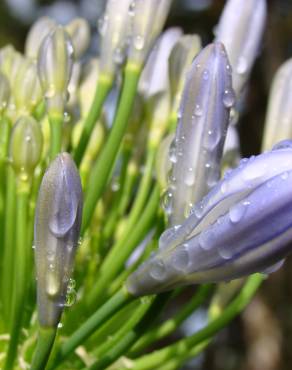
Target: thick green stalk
{"points": [[9, 246], [103, 88], [114, 304], [46, 338], [122, 250], [20, 273], [172, 324], [104, 164], [56, 128], [157, 358]]}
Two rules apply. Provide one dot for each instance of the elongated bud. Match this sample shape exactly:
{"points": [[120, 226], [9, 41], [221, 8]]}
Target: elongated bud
{"points": [[26, 88], [79, 31], [278, 125], [39, 30], [113, 29], [57, 226], [26, 145], [55, 63], [180, 60], [4, 92], [88, 85], [203, 119], [148, 18], [154, 77], [240, 29], [244, 225]]}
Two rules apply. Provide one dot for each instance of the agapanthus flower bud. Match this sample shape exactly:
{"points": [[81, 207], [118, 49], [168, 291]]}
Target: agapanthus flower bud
{"points": [[203, 119], [244, 225], [87, 85], [79, 31], [113, 29], [26, 145], [55, 63], [4, 92], [180, 60], [278, 125], [39, 30], [57, 226], [26, 87], [148, 19], [154, 77], [240, 29]]}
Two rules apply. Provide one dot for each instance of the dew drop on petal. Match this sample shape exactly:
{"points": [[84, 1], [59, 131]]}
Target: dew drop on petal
{"points": [[180, 258], [157, 270], [237, 211]]}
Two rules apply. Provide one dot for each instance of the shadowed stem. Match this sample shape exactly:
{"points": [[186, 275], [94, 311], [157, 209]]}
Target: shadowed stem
{"points": [[105, 162], [46, 338], [114, 304], [20, 273], [103, 88]]}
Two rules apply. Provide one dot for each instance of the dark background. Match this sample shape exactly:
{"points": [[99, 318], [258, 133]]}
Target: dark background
{"points": [[261, 339]]}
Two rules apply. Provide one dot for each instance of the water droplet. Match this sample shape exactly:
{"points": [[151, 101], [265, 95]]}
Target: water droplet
{"points": [[198, 210], [118, 55], [166, 202], [60, 325], [228, 98], [253, 172], [71, 284], [190, 177], [212, 139], [167, 236], [33, 247], [102, 25], [206, 238], [53, 283], [198, 110], [241, 67], [70, 298], [198, 66], [237, 211], [115, 185], [139, 42], [67, 117], [285, 175], [172, 152], [228, 68], [28, 138], [132, 9], [226, 252], [180, 258], [158, 270], [23, 174], [206, 74]]}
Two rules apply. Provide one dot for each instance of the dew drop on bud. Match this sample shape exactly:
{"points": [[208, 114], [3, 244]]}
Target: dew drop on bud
{"points": [[158, 270], [228, 98]]}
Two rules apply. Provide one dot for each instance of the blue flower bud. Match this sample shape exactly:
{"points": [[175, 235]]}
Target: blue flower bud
{"points": [[244, 225], [57, 226], [203, 119]]}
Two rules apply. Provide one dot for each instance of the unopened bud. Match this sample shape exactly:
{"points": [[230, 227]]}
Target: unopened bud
{"points": [[55, 66], [25, 146], [79, 31], [4, 92], [57, 227]]}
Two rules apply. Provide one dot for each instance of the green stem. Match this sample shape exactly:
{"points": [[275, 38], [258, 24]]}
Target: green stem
{"points": [[44, 347], [56, 126], [9, 250], [114, 304], [122, 250], [126, 341], [104, 164], [21, 273], [103, 88], [172, 324], [157, 358]]}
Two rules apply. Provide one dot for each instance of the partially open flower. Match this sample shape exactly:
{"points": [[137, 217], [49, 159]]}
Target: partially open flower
{"points": [[244, 225], [203, 119], [55, 63], [240, 29], [57, 226], [148, 19], [278, 125]]}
